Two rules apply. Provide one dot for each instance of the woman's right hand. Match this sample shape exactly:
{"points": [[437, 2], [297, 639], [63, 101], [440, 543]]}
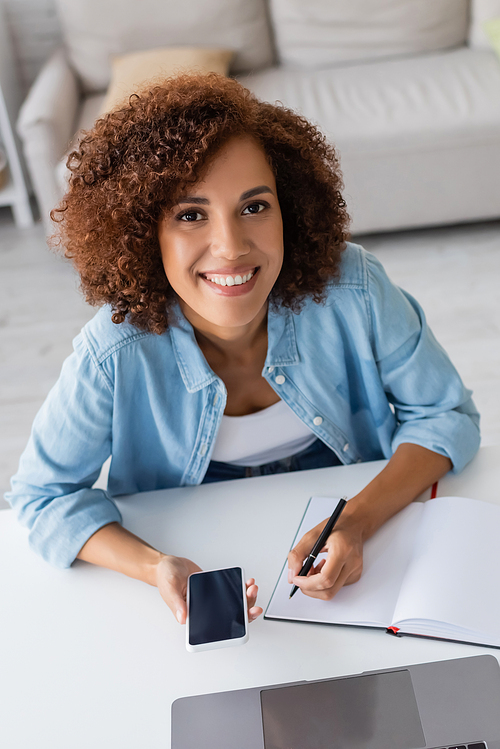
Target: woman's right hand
{"points": [[171, 579]]}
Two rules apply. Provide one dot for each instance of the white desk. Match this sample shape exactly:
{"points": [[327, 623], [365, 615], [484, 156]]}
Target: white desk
{"points": [[90, 658]]}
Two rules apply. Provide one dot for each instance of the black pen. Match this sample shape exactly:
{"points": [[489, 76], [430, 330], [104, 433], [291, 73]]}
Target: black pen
{"points": [[321, 541]]}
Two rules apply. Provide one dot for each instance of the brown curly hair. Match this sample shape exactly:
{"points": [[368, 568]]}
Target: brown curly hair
{"points": [[137, 161]]}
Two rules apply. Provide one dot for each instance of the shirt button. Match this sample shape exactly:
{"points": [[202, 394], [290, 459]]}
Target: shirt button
{"points": [[346, 447], [270, 369], [279, 380], [317, 421], [203, 450], [216, 400]]}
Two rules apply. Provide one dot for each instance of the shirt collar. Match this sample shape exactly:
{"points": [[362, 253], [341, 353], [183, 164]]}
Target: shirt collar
{"points": [[195, 372], [282, 343], [194, 369]]}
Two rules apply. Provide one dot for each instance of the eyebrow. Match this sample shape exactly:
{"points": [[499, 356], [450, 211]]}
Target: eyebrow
{"points": [[244, 196]]}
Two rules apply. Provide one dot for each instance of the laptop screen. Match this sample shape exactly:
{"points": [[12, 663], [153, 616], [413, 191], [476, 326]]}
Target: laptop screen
{"points": [[376, 711]]}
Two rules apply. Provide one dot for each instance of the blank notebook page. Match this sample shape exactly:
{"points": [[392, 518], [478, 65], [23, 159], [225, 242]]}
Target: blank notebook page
{"points": [[454, 577], [370, 601]]}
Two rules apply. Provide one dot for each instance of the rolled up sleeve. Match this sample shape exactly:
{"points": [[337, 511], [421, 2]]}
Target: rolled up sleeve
{"points": [[52, 491], [432, 406]]}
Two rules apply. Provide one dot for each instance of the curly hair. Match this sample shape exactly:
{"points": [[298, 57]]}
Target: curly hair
{"points": [[137, 161]]}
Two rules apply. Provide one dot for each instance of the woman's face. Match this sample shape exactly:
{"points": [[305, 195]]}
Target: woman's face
{"points": [[222, 245]]}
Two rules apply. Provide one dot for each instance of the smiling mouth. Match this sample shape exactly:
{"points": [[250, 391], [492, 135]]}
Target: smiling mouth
{"points": [[230, 280]]}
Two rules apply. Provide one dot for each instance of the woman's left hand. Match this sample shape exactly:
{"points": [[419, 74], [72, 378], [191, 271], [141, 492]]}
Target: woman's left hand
{"points": [[410, 471], [342, 566]]}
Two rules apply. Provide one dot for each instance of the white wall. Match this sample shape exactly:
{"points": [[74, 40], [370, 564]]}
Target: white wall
{"points": [[35, 33]]}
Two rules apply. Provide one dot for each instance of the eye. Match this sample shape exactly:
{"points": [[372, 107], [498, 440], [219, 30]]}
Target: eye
{"points": [[188, 216], [254, 208]]}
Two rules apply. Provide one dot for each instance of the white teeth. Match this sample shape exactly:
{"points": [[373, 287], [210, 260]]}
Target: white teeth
{"points": [[230, 280]]}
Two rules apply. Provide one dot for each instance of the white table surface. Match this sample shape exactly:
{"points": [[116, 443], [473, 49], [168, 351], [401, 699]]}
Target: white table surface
{"points": [[90, 658]]}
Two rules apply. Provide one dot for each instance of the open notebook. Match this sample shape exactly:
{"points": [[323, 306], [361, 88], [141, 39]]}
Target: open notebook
{"points": [[433, 570]]}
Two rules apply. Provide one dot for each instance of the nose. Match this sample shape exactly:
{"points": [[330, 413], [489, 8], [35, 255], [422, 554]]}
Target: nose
{"points": [[228, 240]]}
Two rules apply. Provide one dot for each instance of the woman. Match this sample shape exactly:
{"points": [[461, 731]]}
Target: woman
{"points": [[241, 334]]}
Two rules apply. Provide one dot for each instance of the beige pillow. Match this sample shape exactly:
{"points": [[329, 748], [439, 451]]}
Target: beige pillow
{"points": [[318, 34], [96, 30], [131, 72]]}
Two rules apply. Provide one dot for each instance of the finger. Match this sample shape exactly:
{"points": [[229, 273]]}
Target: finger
{"points": [[313, 570], [354, 576], [317, 568], [295, 562], [254, 613], [302, 549], [300, 552], [172, 576], [347, 576], [174, 591], [252, 592], [341, 581], [330, 570], [317, 587], [178, 607], [318, 583], [176, 600]]}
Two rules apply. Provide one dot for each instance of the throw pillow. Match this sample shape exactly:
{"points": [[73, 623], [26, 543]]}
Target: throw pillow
{"points": [[131, 72]]}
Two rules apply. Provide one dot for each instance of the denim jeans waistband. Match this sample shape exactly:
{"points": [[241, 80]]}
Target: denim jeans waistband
{"points": [[317, 455]]}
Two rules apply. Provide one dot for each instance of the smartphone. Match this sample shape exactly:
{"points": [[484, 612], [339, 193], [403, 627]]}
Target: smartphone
{"points": [[217, 609]]}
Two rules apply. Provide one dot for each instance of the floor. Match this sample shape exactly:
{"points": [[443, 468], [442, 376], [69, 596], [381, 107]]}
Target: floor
{"points": [[454, 272]]}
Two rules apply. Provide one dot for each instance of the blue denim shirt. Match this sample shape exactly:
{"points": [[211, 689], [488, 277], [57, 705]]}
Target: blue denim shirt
{"points": [[361, 369]]}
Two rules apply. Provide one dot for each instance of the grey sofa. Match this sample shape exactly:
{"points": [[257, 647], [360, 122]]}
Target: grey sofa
{"points": [[408, 90]]}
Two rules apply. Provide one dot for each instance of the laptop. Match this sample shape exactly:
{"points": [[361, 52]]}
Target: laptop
{"points": [[452, 704]]}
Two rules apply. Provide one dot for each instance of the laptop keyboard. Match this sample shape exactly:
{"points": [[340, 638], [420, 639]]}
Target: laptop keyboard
{"points": [[476, 745]]}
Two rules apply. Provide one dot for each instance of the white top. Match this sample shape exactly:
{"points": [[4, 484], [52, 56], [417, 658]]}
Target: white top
{"points": [[271, 434]]}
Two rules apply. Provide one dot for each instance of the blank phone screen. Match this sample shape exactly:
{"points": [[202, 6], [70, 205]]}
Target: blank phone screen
{"points": [[216, 606]]}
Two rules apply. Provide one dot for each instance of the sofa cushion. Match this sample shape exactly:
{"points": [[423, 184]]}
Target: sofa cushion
{"points": [[481, 11], [394, 104], [131, 72], [320, 33], [417, 137], [96, 30]]}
